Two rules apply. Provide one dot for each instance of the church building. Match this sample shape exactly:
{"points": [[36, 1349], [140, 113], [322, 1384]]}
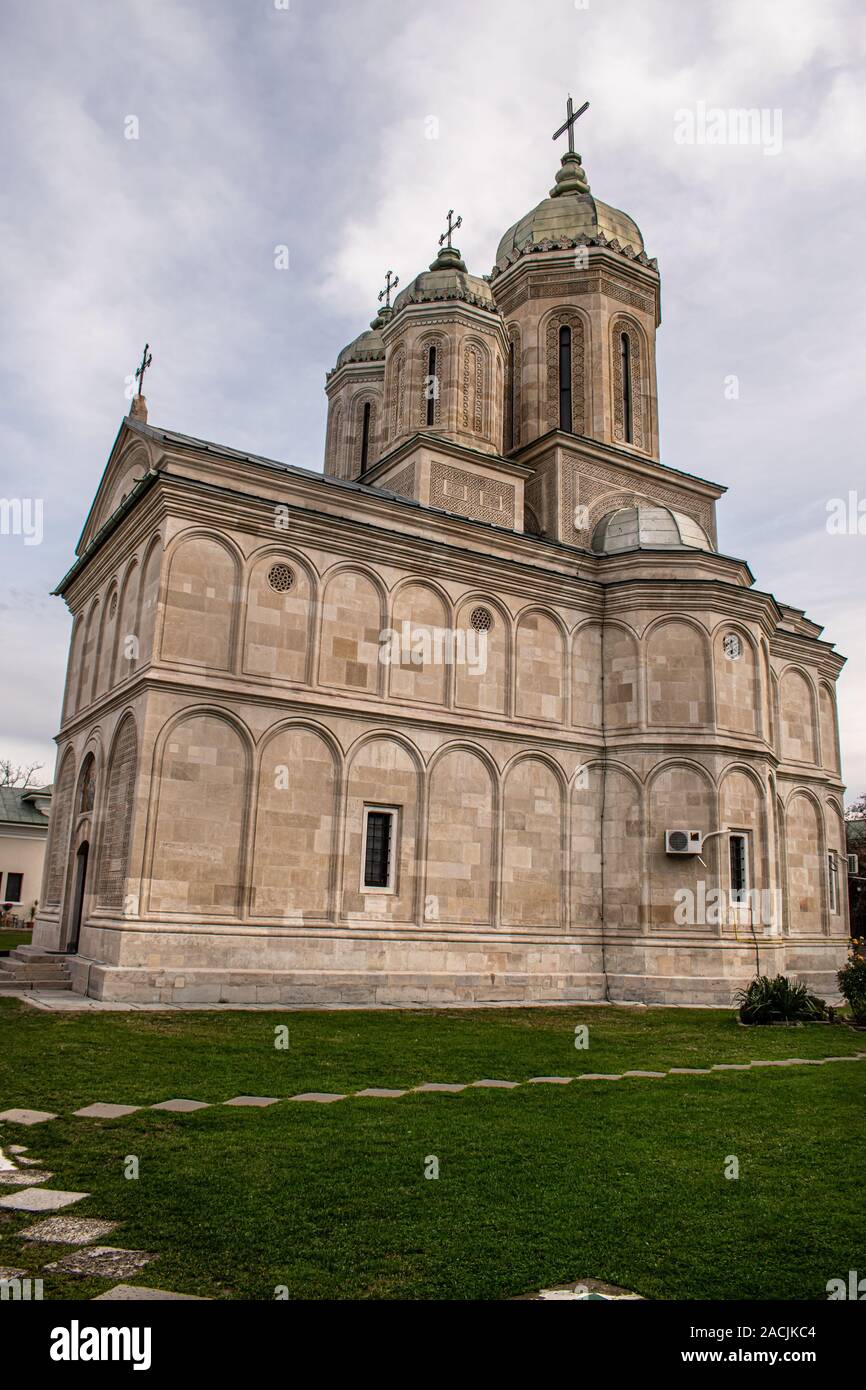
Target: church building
{"points": [[480, 713]]}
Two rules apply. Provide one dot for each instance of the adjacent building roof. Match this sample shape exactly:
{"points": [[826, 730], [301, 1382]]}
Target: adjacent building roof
{"points": [[25, 807]]}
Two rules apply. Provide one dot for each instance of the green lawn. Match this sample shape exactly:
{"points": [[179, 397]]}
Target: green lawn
{"points": [[10, 939], [618, 1181]]}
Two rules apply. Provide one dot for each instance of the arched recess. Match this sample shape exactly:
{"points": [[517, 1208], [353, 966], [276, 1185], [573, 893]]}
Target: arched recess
{"points": [[797, 717], [196, 857], [383, 772], [481, 683], [105, 647], [119, 804], [201, 602], [513, 411], [58, 831], [356, 461], [782, 860], [622, 676], [835, 844], [829, 734], [432, 399], [679, 683], [682, 796], [606, 811], [768, 721], [148, 600], [533, 848], [475, 391], [334, 441], [295, 825], [586, 683], [804, 846], [88, 658], [278, 612], [127, 645], [639, 426], [73, 670], [422, 615], [396, 390], [550, 329], [353, 621], [461, 816], [131, 468], [743, 808], [737, 681], [540, 667]]}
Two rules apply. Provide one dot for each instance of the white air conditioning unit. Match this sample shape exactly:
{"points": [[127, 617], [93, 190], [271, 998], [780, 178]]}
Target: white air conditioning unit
{"points": [[683, 841], [853, 865]]}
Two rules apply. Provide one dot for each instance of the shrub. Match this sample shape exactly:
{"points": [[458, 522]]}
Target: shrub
{"points": [[852, 981], [779, 1001]]}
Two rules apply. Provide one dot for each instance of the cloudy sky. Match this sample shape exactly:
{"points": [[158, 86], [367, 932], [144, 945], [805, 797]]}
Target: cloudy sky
{"points": [[308, 124]]}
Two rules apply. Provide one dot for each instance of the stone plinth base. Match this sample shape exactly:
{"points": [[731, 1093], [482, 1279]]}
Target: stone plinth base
{"points": [[368, 964]]}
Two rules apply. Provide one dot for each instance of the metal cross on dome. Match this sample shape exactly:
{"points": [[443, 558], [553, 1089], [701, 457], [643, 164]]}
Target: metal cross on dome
{"points": [[452, 227], [390, 284], [568, 124], [146, 359]]}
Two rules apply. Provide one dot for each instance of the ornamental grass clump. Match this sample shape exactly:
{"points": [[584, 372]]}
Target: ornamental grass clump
{"points": [[779, 1001]]}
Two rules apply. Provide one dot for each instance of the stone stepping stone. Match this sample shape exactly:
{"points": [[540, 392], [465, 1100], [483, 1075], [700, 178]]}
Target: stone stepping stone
{"points": [[587, 1290], [181, 1106], [27, 1117], [104, 1111], [688, 1071], [6, 1272], [381, 1092], [23, 1178], [763, 1064], [644, 1073], [140, 1293], [503, 1085], [41, 1199], [598, 1076], [102, 1262], [260, 1101], [20, 1149], [68, 1230], [442, 1086], [551, 1080], [28, 1162], [731, 1066], [321, 1097]]}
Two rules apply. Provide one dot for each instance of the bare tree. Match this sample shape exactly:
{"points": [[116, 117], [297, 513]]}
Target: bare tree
{"points": [[19, 775]]}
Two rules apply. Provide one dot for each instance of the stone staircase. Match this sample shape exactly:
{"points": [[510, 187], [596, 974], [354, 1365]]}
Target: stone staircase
{"points": [[27, 967]]}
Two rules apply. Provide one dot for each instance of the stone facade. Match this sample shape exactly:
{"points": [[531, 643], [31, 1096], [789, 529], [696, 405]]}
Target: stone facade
{"points": [[547, 711]]}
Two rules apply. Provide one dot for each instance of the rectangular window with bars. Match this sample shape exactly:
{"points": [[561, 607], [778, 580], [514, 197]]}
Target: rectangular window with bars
{"points": [[380, 838], [739, 868]]}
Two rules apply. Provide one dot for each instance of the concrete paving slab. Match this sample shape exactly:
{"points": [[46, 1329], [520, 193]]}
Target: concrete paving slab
{"points": [[68, 1230], [382, 1092], [23, 1177], [181, 1107], [41, 1199], [503, 1085], [102, 1110], [442, 1086], [27, 1117], [260, 1101], [139, 1293], [102, 1262], [321, 1097]]}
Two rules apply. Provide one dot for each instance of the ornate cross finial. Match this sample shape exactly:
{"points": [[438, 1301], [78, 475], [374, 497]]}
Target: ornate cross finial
{"points": [[452, 227], [146, 359], [390, 284], [568, 124]]}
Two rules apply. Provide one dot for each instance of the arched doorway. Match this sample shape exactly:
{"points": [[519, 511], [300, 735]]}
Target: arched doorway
{"points": [[78, 896]]}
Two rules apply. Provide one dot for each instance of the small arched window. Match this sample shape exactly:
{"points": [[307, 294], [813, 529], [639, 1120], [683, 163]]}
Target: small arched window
{"points": [[87, 786], [365, 436], [565, 415], [431, 386], [625, 378]]}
